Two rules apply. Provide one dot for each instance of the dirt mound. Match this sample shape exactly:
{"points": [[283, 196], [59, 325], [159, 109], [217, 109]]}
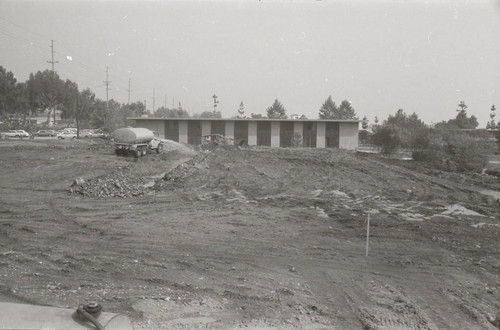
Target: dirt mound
{"points": [[326, 179], [132, 179], [119, 184], [257, 238]]}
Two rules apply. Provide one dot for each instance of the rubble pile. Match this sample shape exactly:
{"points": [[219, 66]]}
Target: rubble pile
{"points": [[116, 185], [185, 169]]}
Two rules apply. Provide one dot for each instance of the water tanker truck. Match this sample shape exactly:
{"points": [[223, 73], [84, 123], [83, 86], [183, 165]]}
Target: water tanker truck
{"points": [[136, 141]]}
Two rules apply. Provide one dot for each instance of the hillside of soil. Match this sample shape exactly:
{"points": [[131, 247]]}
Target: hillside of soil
{"points": [[256, 237]]}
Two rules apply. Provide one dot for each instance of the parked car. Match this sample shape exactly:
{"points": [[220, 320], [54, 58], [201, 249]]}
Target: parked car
{"points": [[85, 134], [99, 133], [66, 135], [19, 133], [44, 132]]}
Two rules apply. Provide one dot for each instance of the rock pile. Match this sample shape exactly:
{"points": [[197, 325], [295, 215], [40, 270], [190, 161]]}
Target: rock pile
{"points": [[187, 168], [115, 185]]}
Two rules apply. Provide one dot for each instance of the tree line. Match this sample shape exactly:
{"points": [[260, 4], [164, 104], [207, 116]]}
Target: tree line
{"points": [[453, 145], [45, 93]]}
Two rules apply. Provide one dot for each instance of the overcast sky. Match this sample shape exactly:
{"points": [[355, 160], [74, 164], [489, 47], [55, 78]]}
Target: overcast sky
{"points": [[421, 56]]}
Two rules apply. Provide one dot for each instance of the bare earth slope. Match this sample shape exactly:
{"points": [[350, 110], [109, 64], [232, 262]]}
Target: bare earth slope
{"points": [[248, 238]]}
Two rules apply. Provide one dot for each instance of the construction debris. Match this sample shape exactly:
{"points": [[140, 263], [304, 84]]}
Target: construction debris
{"points": [[118, 184]]}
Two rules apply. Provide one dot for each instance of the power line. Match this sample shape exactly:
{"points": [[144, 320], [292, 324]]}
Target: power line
{"points": [[23, 40], [21, 27], [80, 65]]}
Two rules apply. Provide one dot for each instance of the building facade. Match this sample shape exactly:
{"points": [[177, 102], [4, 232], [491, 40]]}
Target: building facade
{"points": [[262, 132]]}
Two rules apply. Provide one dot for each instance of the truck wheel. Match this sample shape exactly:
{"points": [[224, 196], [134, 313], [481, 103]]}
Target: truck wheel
{"points": [[118, 152], [159, 149], [144, 151], [137, 153]]}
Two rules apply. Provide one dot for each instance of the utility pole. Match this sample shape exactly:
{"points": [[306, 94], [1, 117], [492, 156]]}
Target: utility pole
{"points": [[145, 106], [52, 61], [153, 100], [165, 101], [53, 73], [128, 90], [77, 117], [107, 83]]}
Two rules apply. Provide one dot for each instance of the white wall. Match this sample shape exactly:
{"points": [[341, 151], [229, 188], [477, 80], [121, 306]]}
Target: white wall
{"points": [[348, 135], [275, 134], [320, 135], [229, 129], [183, 131], [252, 133], [206, 128]]}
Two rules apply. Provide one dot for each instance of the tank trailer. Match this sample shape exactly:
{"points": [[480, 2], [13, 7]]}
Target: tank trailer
{"points": [[136, 141]]}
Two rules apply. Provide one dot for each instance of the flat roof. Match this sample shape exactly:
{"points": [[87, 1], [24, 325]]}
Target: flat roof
{"points": [[251, 119]]}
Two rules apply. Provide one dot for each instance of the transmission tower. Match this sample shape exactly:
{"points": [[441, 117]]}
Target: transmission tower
{"points": [[107, 83], [53, 73], [52, 60]]}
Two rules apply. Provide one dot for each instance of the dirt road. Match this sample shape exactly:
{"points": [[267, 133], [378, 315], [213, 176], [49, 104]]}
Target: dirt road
{"points": [[248, 238]]}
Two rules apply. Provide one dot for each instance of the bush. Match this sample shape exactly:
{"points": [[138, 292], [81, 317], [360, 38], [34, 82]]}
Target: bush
{"points": [[455, 151], [364, 137], [387, 138]]}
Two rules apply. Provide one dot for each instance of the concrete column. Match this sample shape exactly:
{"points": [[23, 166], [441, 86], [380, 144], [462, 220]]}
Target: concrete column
{"points": [[206, 127], [320, 135], [275, 134], [298, 128], [348, 135], [252, 133], [183, 131], [229, 129]]}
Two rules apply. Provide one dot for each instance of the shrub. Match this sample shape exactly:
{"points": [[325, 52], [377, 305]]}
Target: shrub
{"points": [[453, 151], [364, 137], [387, 138]]}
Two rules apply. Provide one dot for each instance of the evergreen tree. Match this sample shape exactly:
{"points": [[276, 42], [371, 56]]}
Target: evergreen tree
{"points": [[241, 111], [492, 116], [461, 121], [364, 123], [328, 110], [346, 111], [277, 110]]}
